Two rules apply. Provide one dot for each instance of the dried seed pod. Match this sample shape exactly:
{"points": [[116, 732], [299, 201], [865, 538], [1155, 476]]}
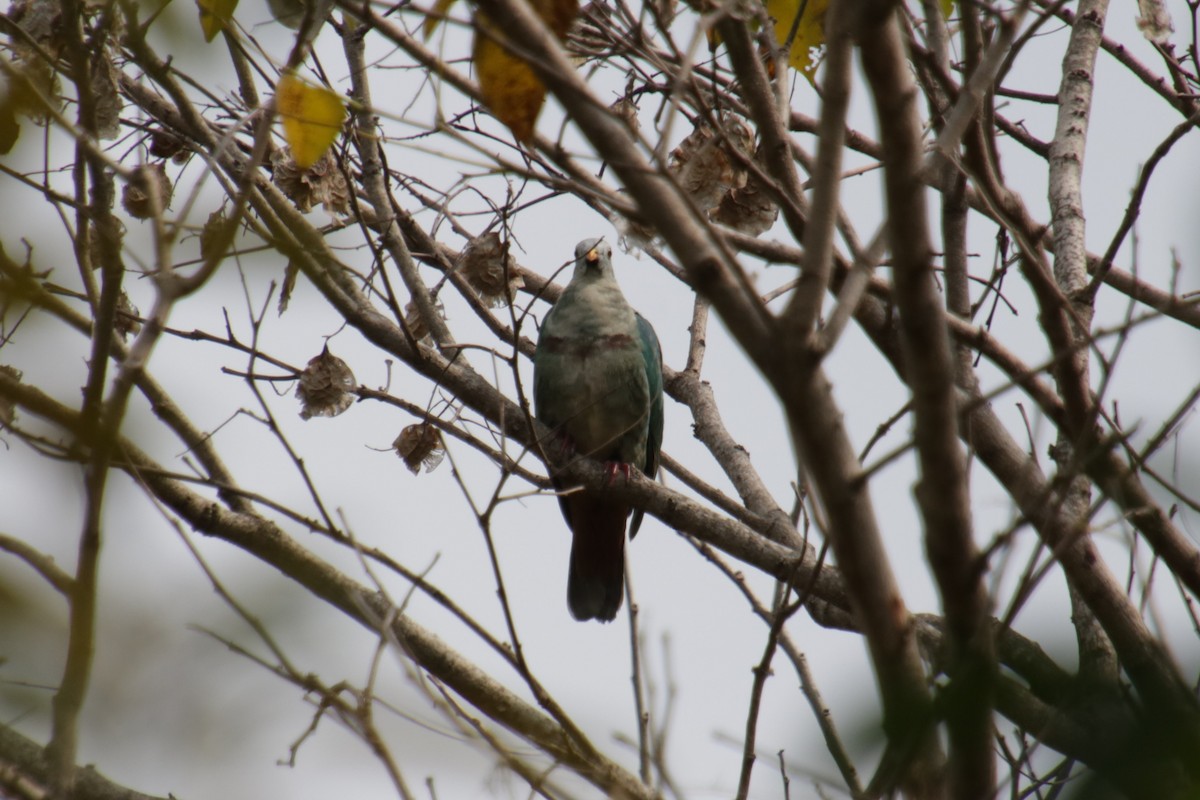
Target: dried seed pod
{"points": [[210, 234], [105, 97], [326, 386], [322, 183], [8, 406], [635, 230], [96, 240], [34, 80], [164, 144], [749, 210], [148, 192], [127, 320], [420, 445], [590, 34], [42, 21], [704, 164], [1154, 21], [414, 322], [627, 110], [490, 270]]}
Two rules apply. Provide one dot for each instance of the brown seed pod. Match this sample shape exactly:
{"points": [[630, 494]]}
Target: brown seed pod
{"points": [[321, 183], [490, 270], [326, 386], [148, 192], [420, 445]]}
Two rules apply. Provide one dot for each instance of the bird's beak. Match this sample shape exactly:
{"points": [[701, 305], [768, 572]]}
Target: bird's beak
{"points": [[592, 257]]}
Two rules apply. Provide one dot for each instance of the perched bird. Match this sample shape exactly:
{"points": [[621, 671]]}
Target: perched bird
{"points": [[597, 383]]}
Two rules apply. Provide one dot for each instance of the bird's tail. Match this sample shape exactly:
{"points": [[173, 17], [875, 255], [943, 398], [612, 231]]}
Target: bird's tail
{"points": [[595, 583]]}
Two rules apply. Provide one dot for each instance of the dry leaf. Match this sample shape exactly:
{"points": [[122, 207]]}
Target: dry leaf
{"points": [[312, 118], [420, 445], [326, 386], [490, 270], [322, 183], [148, 192], [215, 16]]}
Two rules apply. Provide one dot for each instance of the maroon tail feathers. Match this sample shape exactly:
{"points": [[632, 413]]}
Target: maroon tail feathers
{"points": [[595, 583]]}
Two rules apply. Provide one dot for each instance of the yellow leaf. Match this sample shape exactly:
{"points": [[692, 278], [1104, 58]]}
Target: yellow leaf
{"points": [[509, 86], [215, 15], [440, 9], [807, 17], [312, 118], [713, 37], [559, 15], [947, 8]]}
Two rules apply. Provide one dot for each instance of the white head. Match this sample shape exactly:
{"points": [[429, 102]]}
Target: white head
{"points": [[593, 257]]}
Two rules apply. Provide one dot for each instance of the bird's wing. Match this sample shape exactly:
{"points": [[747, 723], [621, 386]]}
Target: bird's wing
{"points": [[544, 379], [652, 357]]}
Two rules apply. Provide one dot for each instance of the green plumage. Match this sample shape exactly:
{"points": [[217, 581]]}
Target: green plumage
{"points": [[597, 383]]}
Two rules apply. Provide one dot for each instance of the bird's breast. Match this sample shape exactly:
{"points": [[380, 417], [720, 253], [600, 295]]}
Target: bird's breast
{"points": [[585, 347], [598, 394]]}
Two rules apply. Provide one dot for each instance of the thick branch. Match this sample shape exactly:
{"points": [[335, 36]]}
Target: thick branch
{"points": [[942, 493]]}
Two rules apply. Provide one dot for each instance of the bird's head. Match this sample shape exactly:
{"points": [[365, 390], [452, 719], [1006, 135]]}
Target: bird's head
{"points": [[594, 257]]}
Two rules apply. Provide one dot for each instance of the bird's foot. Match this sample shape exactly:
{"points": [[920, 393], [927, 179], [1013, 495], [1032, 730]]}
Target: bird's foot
{"points": [[611, 468]]}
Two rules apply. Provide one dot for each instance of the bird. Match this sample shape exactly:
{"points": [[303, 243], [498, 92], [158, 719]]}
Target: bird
{"points": [[598, 386]]}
